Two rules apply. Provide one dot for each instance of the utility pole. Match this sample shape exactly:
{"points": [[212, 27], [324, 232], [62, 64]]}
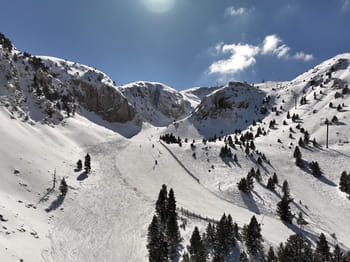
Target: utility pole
{"points": [[327, 123], [54, 179]]}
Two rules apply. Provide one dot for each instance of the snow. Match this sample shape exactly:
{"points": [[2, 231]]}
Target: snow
{"points": [[106, 213]]}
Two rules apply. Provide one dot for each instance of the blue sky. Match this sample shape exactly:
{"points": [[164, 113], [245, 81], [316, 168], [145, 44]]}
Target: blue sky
{"points": [[183, 43]]}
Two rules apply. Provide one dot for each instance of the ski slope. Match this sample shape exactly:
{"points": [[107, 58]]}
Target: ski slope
{"points": [[106, 213]]}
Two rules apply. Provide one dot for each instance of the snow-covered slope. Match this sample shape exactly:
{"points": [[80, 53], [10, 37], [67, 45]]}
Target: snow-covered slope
{"points": [[224, 110], [106, 213]]}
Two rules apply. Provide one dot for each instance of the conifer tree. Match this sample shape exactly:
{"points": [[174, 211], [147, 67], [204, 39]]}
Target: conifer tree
{"points": [[344, 183], [322, 253], [236, 231], [297, 153], [63, 187], [185, 257], [338, 255], [281, 256], [301, 142], [296, 248], [275, 179], [162, 205], [283, 208], [285, 188], [300, 220], [243, 257], [197, 249], [156, 245], [315, 169], [270, 184], [242, 185], [299, 162], [306, 137], [172, 229], [229, 227], [271, 257], [79, 165], [210, 236], [252, 145], [253, 237], [258, 175], [221, 248], [250, 180], [87, 163]]}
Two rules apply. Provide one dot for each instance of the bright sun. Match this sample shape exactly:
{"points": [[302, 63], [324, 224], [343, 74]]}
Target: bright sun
{"points": [[159, 6]]}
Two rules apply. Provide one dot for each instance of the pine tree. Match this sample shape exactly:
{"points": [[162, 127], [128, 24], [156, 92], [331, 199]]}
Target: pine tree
{"points": [[250, 180], [322, 253], [197, 249], [242, 185], [301, 221], [301, 142], [63, 187], [271, 257], [344, 183], [253, 237], [283, 209], [296, 248], [270, 184], [185, 257], [315, 169], [285, 188], [156, 246], [252, 145], [210, 236], [281, 254], [162, 205], [258, 175], [221, 248], [172, 228], [243, 257], [87, 163], [229, 228], [79, 165], [306, 137], [236, 231], [275, 179], [299, 162], [337, 255], [297, 153]]}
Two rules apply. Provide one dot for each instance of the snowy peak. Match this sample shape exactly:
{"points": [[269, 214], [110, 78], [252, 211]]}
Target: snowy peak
{"points": [[156, 103]]}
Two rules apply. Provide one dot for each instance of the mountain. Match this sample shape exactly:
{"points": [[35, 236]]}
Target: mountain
{"points": [[156, 103], [53, 112]]}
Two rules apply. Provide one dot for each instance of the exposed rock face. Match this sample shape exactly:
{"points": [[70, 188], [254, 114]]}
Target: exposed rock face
{"points": [[106, 101], [155, 102], [228, 101], [92, 89]]}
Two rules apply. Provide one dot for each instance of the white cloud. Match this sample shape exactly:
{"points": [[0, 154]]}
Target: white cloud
{"points": [[232, 11], [270, 44], [242, 56], [282, 51], [303, 56], [345, 5]]}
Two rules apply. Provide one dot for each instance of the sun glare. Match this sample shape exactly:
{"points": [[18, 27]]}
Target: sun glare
{"points": [[159, 6]]}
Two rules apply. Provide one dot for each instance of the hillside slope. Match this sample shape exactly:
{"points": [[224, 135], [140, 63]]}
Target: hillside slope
{"points": [[53, 112]]}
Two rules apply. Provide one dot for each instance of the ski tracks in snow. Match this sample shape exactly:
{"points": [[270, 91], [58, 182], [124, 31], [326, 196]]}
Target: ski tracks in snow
{"points": [[104, 222]]}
